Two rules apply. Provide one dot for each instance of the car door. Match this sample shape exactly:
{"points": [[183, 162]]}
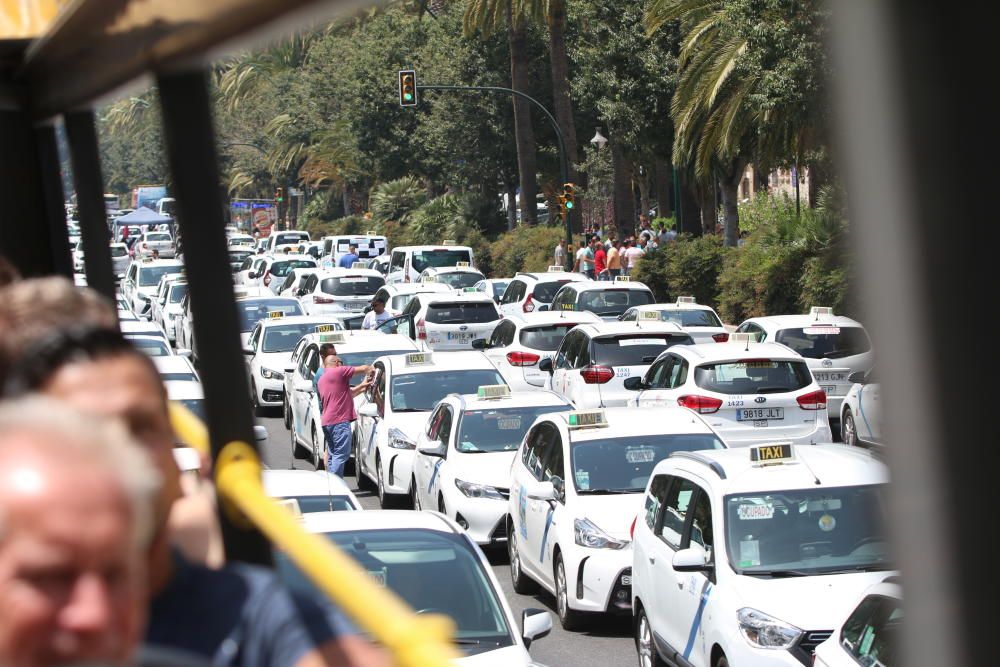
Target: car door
{"points": [[648, 547], [534, 514], [496, 352], [577, 391], [509, 298], [564, 361], [423, 465], [368, 427], [666, 374], [869, 422], [304, 393], [431, 496]]}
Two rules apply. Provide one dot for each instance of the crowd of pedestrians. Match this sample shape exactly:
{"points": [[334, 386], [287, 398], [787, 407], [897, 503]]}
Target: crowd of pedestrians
{"points": [[603, 256]]}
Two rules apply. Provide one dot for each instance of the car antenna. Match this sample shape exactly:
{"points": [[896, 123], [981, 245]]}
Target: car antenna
{"points": [[815, 478]]}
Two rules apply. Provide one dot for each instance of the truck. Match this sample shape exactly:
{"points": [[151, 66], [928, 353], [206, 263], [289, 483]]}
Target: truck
{"points": [[148, 196]]}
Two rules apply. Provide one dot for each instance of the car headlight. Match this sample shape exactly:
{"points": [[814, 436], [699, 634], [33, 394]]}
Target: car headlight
{"points": [[586, 534], [268, 374], [473, 490], [764, 631], [399, 440]]}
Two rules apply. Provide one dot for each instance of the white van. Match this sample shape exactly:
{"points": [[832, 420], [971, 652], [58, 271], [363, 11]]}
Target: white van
{"points": [[369, 246], [408, 262], [279, 239]]}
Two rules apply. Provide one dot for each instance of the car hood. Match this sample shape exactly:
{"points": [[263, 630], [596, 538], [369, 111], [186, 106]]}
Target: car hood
{"points": [[510, 656], [491, 469], [809, 603], [410, 423], [612, 514], [276, 361]]}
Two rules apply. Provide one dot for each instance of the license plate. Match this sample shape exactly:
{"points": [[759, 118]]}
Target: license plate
{"points": [[760, 423], [460, 337], [830, 377], [626, 580], [829, 389], [758, 414]]}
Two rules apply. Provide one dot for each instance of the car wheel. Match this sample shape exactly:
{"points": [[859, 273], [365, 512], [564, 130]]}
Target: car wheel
{"points": [[295, 445], [723, 661], [257, 410], [568, 618], [522, 584], [414, 495], [286, 412], [383, 497], [644, 646], [317, 452], [848, 429]]}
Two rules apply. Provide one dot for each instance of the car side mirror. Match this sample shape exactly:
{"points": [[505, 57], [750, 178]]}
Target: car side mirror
{"points": [[635, 384], [496, 300], [183, 352], [545, 365], [692, 559], [248, 351], [541, 491], [480, 344], [289, 371], [857, 377], [535, 624], [559, 488], [368, 410], [435, 450], [259, 433], [251, 275]]}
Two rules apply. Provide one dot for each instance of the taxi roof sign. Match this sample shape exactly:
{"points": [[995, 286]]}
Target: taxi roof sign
{"points": [[686, 299], [358, 265], [334, 338], [649, 315], [772, 453], [275, 314], [461, 265], [292, 505], [419, 358], [469, 289], [429, 278], [742, 338], [555, 268], [371, 232], [816, 311], [448, 242], [623, 279], [587, 419], [491, 391]]}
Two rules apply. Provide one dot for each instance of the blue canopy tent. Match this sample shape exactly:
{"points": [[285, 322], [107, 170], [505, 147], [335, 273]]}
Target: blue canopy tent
{"points": [[143, 216]]}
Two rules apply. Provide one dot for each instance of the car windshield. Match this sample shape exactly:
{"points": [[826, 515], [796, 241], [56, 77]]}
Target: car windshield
{"points": [[310, 504], [546, 338], [252, 312], [499, 429], [462, 313], [153, 347], [437, 258], [824, 342], [635, 349], [499, 287], [400, 301], [352, 285], [118, 251], [690, 318], [365, 359], [807, 531], [614, 301], [183, 377], [459, 279], [622, 465], [285, 239], [280, 269], [177, 293], [546, 291], [420, 391], [425, 568], [753, 376], [284, 337], [149, 276]]}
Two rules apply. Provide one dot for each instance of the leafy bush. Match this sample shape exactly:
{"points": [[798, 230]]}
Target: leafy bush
{"points": [[524, 249], [352, 224], [767, 209], [760, 279], [666, 223], [825, 281], [395, 200], [688, 267]]}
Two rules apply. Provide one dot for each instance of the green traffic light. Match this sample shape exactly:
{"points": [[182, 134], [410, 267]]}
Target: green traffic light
{"points": [[407, 96], [569, 204]]}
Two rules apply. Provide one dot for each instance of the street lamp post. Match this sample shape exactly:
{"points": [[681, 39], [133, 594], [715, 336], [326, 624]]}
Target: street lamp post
{"points": [[599, 141]]}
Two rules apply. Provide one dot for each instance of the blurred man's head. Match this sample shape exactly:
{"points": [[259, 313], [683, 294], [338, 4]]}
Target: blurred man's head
{"points": [[75, 522], [378, 305]]}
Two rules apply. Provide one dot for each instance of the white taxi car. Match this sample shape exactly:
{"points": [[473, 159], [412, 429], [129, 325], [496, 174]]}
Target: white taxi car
{"points": [[833, 346], [464, 454], [269, 349], [533, 292], [312, 490], [393, 413], [339, 291], [702, 322], [428, 561], [575, 488], [407, 262], [142, 279], [519, 343], [594, 360], [861, 411], [871, 635], [397, 296], [447, 321], [302, 412], [459, 276], [175, 368], [169, 306], [607, 300], [752, 556], [253, 309], [749, 392]]}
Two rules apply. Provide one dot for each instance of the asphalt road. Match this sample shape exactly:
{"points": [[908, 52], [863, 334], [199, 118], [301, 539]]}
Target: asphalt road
{"points": [[607, 642]]}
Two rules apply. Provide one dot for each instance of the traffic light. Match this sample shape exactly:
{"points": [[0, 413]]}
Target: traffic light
{"points": [[279, 195], [569, 196], [407, 88], [560, 206]]}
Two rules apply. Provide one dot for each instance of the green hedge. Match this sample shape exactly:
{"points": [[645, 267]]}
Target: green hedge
{"points": [[687, 267], [760, 279], [524, 249]]}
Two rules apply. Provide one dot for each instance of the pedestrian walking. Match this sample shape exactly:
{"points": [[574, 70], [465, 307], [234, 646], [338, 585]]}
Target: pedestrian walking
{"points": [[337, 396], [559, 254], [632, 256], [614, 261], [600, 261]]}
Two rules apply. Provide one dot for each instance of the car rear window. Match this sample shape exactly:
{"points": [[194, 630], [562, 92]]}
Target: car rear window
{"points": [[459, 279], [753, 376], [613, 302], [545, 338], [284, 239], [635, 349], [352, 285], [118, 251], [826, 342], [690, 318], [437, 258], [252, 312], [158, 237], [462, 313], [281, 269], [545, 292]]}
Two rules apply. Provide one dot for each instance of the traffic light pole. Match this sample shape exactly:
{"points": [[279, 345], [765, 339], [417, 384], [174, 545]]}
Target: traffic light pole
{"points": [[563, 163]]}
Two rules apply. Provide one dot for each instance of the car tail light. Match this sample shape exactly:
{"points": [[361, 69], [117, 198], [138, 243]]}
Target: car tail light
{"points": [[267, 279], [705, 405], [631, 531], [814, 400], [321, 299], [597, 374], [522, 358], [528, 306], [421, 330], [720, 337]]}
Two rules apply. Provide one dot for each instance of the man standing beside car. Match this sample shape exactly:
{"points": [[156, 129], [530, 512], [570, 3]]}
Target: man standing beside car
{"points": [[337, 398], [347, 261]]}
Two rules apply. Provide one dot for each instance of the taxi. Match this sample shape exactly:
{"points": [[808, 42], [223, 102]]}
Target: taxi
{"points": [[871, 635], [576, 486], [428, 561], [607, 300], [447, 321], [753, 556], [594, 360], [339, 291], [533, 292], [269, 349], [312, 490], [397, 296], [464, 454], [861, 411], [142, 279], [749, 392], [303, 417], [700, 321], [833, 347], [457, 277], [395, 408]]}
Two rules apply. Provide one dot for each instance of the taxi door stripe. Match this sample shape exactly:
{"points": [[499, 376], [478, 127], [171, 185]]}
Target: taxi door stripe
{"points": [[697, 619], [437, 466], [861, 410], [545, 533]]}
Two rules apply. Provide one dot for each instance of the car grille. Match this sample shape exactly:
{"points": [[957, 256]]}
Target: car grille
{"points": [[503, 492], [811, 640]]}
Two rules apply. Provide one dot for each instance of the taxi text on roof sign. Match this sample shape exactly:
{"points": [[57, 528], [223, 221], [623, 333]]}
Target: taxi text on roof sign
{"points": [[448, 242], [323, 328], [588, 419], [686, 299], [741, 338], [493, 391], [556, 269], [773, 453], [623, 279], [334, 338], [461, 265], [816, 311], [357, 265], [274, 314], [418, 358], [650, 315]]}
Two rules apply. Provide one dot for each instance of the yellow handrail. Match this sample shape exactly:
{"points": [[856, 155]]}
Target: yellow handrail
{"points": [[415, 641]]}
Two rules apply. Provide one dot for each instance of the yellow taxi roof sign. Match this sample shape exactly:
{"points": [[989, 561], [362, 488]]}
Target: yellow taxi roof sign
{"points": [[461, 265], [587, 419], [772, 453], [419, 358], [623, 279], [490, 391], [275, 314]]}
